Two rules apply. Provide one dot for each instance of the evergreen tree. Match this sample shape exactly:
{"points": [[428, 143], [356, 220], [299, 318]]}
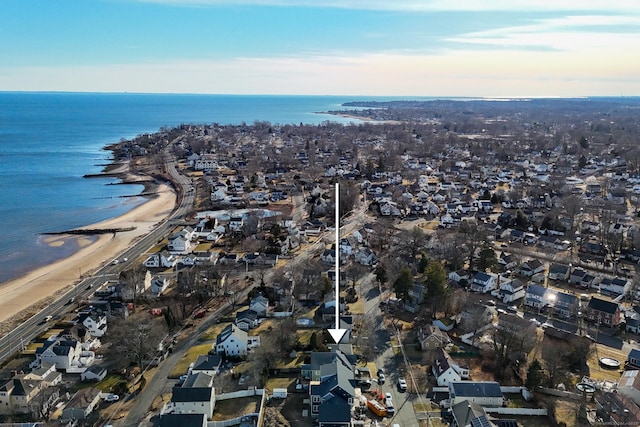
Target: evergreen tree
{"points": [[534, 375], [403, 284]]}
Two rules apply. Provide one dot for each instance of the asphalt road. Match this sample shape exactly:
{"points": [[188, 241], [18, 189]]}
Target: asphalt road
{"points": [[386, 359]]}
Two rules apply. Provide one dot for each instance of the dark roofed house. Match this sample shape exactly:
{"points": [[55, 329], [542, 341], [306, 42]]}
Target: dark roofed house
{"points": [[207, 364], [604, 312], [81, 404], [196, 395], [183, 420], [483, 393]]}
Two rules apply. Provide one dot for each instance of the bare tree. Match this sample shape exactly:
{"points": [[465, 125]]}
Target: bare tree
{"points": [[136, 339]]}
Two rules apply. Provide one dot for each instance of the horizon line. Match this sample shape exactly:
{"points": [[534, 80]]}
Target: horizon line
{"points": [[413, 97]]}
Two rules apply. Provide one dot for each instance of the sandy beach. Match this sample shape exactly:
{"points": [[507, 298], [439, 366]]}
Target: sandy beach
{"points": [[22, 297]]}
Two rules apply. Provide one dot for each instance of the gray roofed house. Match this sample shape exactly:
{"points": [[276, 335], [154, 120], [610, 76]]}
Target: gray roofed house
{"points": [[94, 373], [566, 305], [246, 319], [207, 364], [465, 413], [559, 272], [81, 404], [312, 370], [484, 393], [535, 296], [334, 393]]}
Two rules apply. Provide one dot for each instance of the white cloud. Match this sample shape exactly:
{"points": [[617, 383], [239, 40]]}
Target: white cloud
{"points": [[567, 33], [456, 73], [626, 6]]}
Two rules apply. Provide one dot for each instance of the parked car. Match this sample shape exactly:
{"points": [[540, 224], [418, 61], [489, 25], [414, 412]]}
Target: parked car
{"points": [[381, 378], [402, 384], [111, 397]]}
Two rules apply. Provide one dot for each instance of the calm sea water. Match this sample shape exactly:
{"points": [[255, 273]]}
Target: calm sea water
{"points": [[48, 141]]}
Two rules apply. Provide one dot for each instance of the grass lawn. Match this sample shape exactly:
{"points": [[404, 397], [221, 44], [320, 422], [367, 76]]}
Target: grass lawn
{"points": [[279, 383], [357, 307], [263, 327], [232, 408], [291, 363], [212, 333], [192, 354], [109, 382], [203, 247], [596, 371], [304, 335]]}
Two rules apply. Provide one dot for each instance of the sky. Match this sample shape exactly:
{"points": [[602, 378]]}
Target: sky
{"points": [[490, 48]]}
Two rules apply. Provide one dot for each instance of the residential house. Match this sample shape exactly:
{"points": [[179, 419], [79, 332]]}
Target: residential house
{"points": [[94, 373], [333, 397], [507, 261], [260, 305], [531, 267], [196, 395], [95, 324], [457, 276], [246, 319], [179, 244], [162, 259], [629, 385], [209, 364], [614, 409], [328, 256], [313, 371], [576, 276], [445, 370], [483, 393], [614, 287], [159, 285], [510, 290], [633, 359], [62, 354], [17, 394], [566, 305], [46, 373], [476, 316], [604, 312], [484, 282], [233, 341], [468, 414], [559, 272], [365, 256], [81, 405], [430, 338]]}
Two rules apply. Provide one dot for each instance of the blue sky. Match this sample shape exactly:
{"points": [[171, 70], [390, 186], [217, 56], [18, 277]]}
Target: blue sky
{"points": [[326, 47]]}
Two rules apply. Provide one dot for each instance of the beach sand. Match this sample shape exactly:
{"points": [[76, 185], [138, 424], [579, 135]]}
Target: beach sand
{"points": [[21, 298]]}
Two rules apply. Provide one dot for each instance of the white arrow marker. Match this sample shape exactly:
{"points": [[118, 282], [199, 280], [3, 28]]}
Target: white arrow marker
{"points": [[337, 333]]}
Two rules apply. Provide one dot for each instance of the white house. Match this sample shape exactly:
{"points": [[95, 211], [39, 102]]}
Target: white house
{"points": [[483, 393], [179, 244], [207, 364], [615, 286], [260, 305], [446, 370], [94, 373], [509, 290], [233, 341], [95, 324], [161, 259], [484, 282], [61, 354], [365, 256], [196, 395]]}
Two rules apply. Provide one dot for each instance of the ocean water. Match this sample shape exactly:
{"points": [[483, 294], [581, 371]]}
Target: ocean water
{"points": [[48, 141]]}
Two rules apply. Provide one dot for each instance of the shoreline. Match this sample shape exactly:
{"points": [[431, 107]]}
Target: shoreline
{"points": [[18, 299]]}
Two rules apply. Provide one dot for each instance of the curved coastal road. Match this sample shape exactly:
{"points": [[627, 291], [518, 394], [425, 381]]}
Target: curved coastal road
{"points": [[14, 341]]}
